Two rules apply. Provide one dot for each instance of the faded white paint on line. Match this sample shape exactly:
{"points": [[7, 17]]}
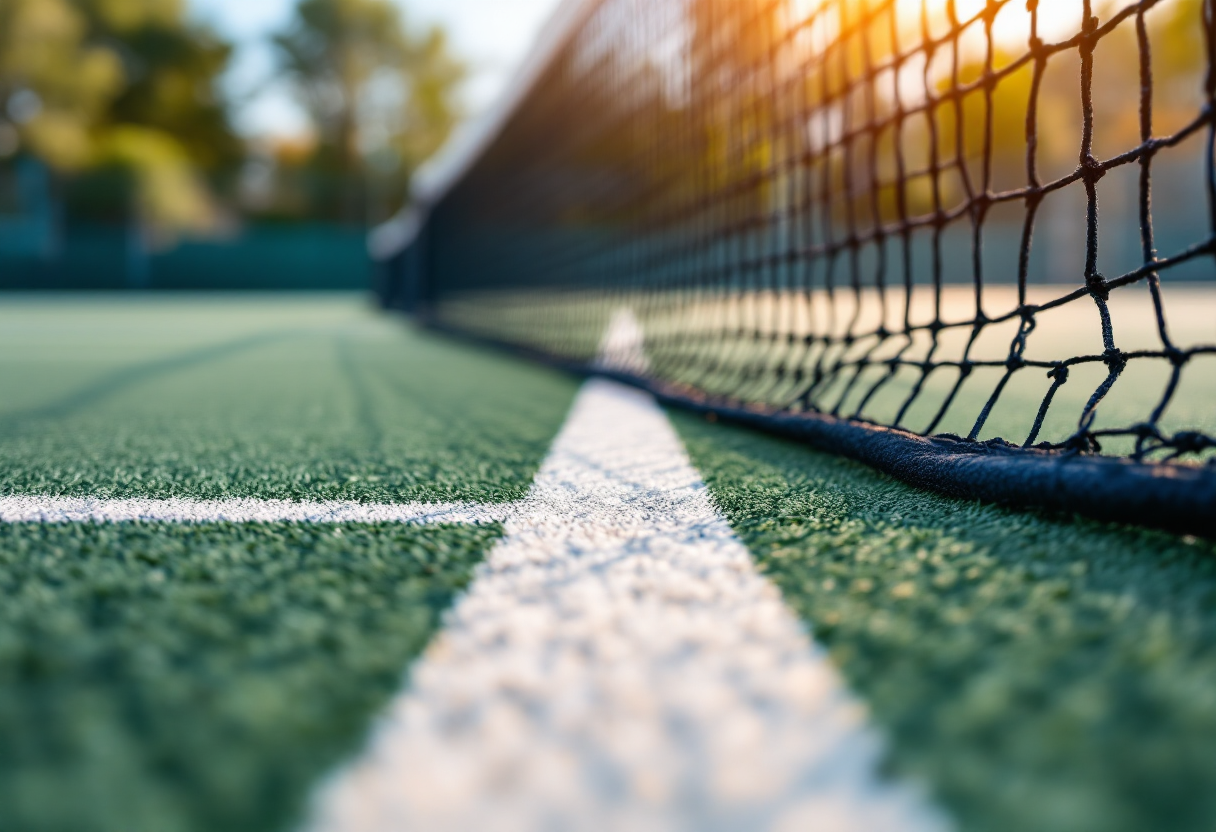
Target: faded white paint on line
{"points": [[618, 664], [35, 509], [623, 346]]}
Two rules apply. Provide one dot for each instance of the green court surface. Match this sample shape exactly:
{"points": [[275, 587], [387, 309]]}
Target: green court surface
{"points": [[1038, 672], [203, 677], [172, 677], [1034, 672], [309, 399]]}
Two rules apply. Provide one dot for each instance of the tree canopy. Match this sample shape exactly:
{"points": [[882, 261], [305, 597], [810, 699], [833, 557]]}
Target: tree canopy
{"points": [[380, 94], [125, 86]]}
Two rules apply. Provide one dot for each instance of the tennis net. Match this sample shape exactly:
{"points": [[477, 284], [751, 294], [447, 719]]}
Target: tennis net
{"points": [[871, 224]]}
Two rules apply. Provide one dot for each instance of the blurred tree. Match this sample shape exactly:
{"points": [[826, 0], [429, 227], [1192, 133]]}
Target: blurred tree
{"points": [[378, 94], [430, 112], [55, 85], [1180, 57], [171, 67], [119, 96]]}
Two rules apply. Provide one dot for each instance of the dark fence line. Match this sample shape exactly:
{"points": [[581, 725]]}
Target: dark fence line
{"points": [[261, 258]]}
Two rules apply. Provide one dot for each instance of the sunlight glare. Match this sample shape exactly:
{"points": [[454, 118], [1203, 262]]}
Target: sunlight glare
{"points": [[1058, 19]]}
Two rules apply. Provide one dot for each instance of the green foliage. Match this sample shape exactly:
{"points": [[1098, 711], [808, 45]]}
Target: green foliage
{"points": [[173, 66], [126, 88], [46, 56], [331, 51], [380, 95], [430, 112], [1037, 672], [166, 678]]}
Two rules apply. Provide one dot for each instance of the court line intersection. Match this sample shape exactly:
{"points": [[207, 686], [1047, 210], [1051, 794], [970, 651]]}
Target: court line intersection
{"points": [[618, 663]]}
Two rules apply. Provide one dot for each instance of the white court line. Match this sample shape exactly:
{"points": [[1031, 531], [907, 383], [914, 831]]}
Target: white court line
{"points": [[35, 509], [619, 664]]}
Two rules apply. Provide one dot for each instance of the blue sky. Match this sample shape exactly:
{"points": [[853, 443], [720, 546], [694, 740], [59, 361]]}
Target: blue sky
{"points": [[492, 35]]}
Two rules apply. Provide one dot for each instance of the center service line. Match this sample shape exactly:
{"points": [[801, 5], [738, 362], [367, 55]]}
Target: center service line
{"points": [[619, 664]]}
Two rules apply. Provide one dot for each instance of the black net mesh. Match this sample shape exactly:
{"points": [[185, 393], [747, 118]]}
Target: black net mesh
{"points": [[882, 210]]}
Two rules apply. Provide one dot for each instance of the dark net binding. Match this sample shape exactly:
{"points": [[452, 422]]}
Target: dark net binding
{"points": [[872, 225]]}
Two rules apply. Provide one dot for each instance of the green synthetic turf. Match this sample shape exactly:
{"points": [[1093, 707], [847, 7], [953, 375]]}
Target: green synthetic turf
{"points": [[1038, 673], [176, 678], [179, 678], [316, 398]]}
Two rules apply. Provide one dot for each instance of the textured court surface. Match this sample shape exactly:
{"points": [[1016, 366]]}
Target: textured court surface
{"points": [[1029, 672], [620, 666]]}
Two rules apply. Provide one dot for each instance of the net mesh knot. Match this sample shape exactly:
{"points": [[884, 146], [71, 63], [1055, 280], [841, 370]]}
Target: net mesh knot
{"points": [[1115, 359], [1097, 286]]}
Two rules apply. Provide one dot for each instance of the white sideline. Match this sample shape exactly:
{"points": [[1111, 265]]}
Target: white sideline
{"points": [[619, 664], [34, 509]]}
